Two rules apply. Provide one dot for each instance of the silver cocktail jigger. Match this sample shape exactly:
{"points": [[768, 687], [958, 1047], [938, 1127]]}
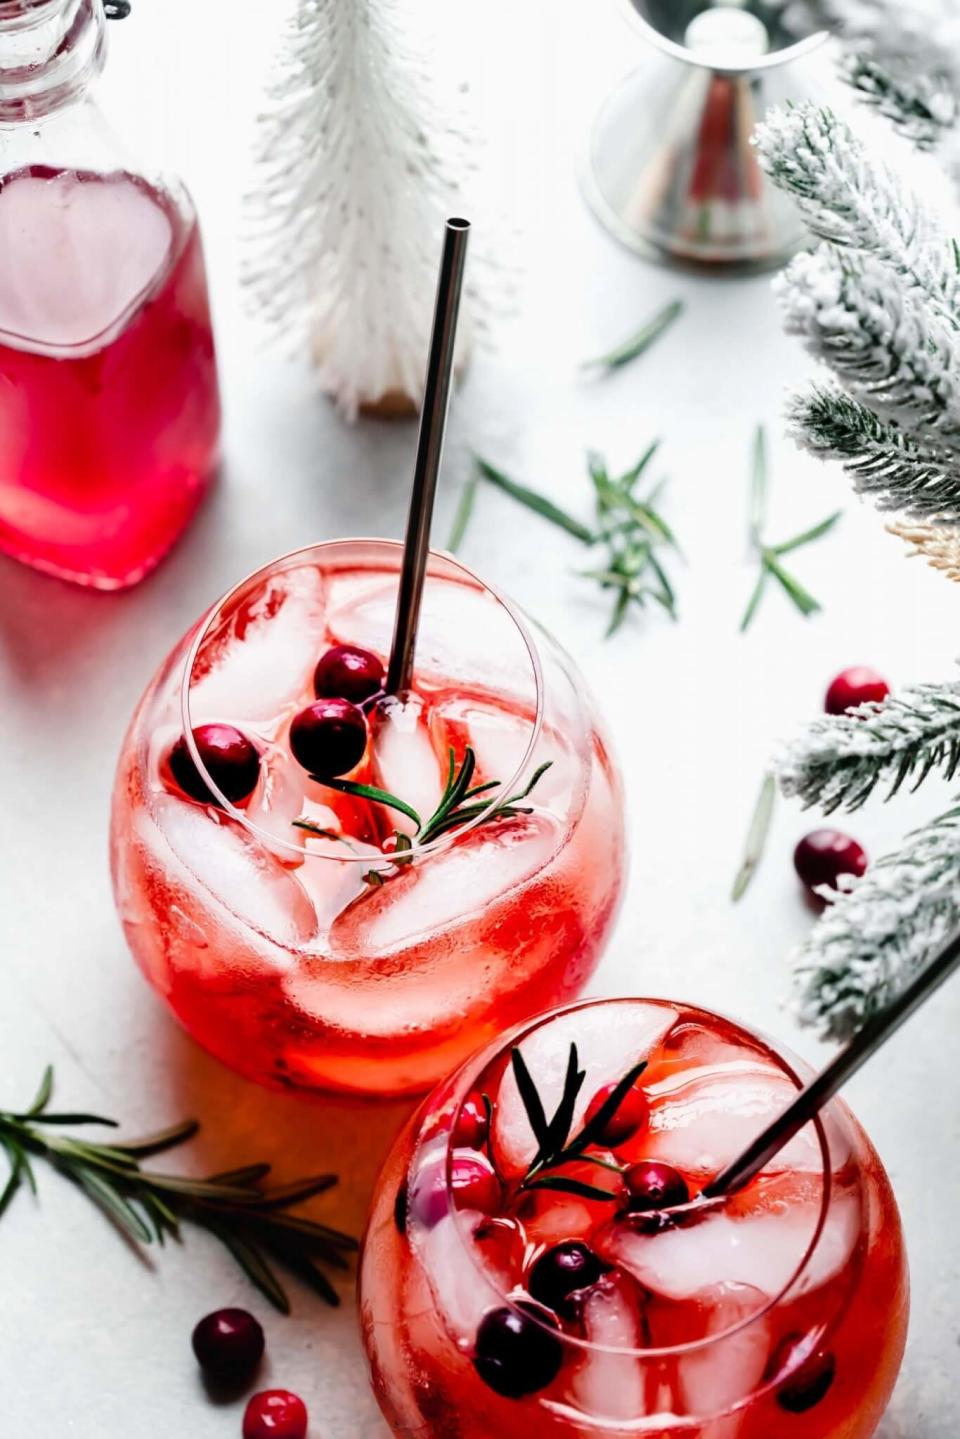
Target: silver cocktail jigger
{"points": [[670, 168]]}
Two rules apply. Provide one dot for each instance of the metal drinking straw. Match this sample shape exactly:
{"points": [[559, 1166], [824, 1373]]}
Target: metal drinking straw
{"points": [[433, 419], [825, 1085]]}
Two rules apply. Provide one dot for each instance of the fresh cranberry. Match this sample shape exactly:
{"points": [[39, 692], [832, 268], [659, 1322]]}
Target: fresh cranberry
{"points": [[329, 737], [824, 855], [472, 1126], [473, 1183], [628, 1118], [809, 1384], [859, 685], [228, 1344], [516, 1352], [230, 759], [347, 672], [563, 1273], [653, 1185], [275, 1414]]}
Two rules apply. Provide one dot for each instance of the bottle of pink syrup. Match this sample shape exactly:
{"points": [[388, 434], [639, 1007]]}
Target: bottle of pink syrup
{"points": [[109, 403]]}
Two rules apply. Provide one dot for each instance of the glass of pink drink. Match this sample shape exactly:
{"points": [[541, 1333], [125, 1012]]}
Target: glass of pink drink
{"points": [[109, 403], [305, 931], [575, 1287]]}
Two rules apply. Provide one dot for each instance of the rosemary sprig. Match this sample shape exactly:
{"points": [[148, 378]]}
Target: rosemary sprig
{"points": [[555, 1148], [628, 531], [638, 343], [251, 1221], [756, 838], [459, 803], [771, 555]]}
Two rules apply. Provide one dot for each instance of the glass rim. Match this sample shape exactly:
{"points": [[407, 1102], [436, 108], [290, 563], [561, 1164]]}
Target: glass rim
{"points": [[464, 1083], [290, 560], [771, 60]]}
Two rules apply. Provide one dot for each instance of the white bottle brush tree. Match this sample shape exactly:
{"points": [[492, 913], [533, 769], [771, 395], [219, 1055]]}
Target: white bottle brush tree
{"points": [[358, 157], [878, 304]]}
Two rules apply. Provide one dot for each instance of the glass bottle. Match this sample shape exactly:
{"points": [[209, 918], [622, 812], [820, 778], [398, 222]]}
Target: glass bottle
{"points": [[109, 402]]}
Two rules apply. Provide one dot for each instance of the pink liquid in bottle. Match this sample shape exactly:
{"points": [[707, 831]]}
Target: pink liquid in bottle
{"points": [[109, 405]]}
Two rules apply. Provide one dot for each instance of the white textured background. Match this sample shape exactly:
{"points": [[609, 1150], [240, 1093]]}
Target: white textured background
{"points": [[95, 1342]]}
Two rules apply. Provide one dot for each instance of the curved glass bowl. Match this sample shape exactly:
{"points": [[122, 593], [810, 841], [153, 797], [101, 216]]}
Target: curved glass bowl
{"points": [[306, 960], [780, 1313]]}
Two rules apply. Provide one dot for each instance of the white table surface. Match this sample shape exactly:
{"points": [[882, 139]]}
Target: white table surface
{"points": [[94, 1341]]}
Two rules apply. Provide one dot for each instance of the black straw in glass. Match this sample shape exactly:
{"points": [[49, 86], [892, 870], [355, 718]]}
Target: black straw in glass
{"points": [[433, 419], [825, 1085]]}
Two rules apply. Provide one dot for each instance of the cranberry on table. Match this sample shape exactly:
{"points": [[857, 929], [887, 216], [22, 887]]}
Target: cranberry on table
{"points": [[349, 673], [858, 685], [472, 1126], [628, 1119], [824, 855], [228, 1344], [518, 1351], [654, 1185], [563, 1272], [231, 760], [329, 737], [275, 1414]]}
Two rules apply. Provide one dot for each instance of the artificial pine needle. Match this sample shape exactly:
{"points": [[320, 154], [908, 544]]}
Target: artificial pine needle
{"points": [[756, 838], [638, 343]]}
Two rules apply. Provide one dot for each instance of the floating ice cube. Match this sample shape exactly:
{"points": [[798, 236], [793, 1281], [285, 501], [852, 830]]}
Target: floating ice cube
{"points": [[609, 1038], [714, 1377], [260, 666], [406, 762], [499, 738], [244, 879], [692, 1048], [447, 888], [278, 800], [464, 1286], [606, 1384]]}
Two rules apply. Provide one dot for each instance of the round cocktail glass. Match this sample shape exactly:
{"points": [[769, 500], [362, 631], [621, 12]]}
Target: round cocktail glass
{"points": [[330, 958], [520, 1301]]}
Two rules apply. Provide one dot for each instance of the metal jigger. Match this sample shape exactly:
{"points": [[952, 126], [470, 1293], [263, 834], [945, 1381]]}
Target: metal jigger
{"points": [[670, 168]]}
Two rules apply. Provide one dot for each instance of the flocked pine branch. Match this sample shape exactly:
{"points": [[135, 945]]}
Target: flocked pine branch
{"points": [[920, 106], [897, 470], [871, 940], [353, 185], [839, 760]]}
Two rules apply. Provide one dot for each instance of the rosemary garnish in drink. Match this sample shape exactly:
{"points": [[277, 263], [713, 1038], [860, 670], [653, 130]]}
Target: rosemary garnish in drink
{"points": [[249, 1219], [459, 803], [555, 1148]]}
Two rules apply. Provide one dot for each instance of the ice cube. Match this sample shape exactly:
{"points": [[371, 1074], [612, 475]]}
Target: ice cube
{"points": [[278, 800], [609, 1038], [447, 888], [259, 666], [691, 1048], [607, 1385], [405, 761], [715, 1377], [464, 1286], [499, 738], [246, 881]]}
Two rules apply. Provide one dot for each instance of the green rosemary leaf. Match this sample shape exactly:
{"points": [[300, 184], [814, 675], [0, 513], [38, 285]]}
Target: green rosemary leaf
{"points": [[619, 612], [591, 1132], [369, 791], [564, 1185], [19, 1160], [534, 780], [754, 603], [628, 480], [601, 1163], [113, 1203], [667, 597], [756, 838], [250, 1174], [558, 1130], [303, 1267], [802, 598], [639, 342], [808, 536], [253, 1264], [74, 1117], [464, 512], [43, 1095], [296, 1192], [158, 1143], [14, 1179], [758, 485], [530, 1097], [536, 502]]}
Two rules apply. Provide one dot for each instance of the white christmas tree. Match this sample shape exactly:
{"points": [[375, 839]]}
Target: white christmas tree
{"points": [[358, 150]]}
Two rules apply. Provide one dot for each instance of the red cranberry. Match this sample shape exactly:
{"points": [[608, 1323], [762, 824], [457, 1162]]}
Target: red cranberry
{"points": [[859, 685], [628, 1118], [347, 672], [516, 1352], [329, 737], [824, 855], [473, 1183], [275, 1414], [809, 1384], [230, 759], [228, 1344], [473, 1123], [562, 1273], [653, 1185]]}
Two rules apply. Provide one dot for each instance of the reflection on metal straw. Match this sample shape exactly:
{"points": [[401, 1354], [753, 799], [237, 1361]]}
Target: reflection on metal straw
{"points": [[433, 419]]}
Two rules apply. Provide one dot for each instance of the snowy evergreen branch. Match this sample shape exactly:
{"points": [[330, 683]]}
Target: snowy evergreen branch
{"points": [[886, 344], [872, 939], [920, 107], [897, 470], [840, 759]]}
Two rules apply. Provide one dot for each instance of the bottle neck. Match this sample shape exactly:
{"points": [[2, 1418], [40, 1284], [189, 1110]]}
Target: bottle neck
{"points": [[50, 51]]}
